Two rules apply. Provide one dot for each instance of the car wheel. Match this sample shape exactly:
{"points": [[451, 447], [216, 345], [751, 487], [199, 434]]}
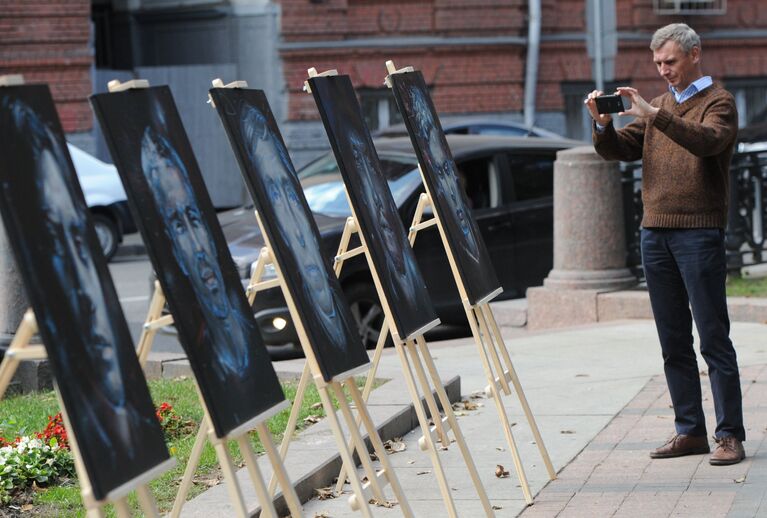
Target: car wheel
{"points": [[367, 312], [108, 234]]}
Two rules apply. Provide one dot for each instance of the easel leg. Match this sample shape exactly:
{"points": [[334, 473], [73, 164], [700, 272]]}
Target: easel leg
{"points": [[292, 420], [147, 501], [439, 472], [379, 449], [346, 456], [230, 476], [358, 442], [191, 467], [288, 491], [371, 376], [122, 509], [428, 395], [147, 333], [487, 338], [445, 401], [495, 394], [27, 328], [251, 462], [488, 314]]}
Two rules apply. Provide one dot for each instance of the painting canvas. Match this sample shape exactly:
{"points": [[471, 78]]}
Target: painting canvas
{"points": [[291, 230], [78, 313], [379, 221], [439, 169], [189, 253]]}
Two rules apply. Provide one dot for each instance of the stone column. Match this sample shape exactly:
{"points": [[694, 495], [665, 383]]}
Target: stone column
{"points": [[589, 241], [13, 298]]}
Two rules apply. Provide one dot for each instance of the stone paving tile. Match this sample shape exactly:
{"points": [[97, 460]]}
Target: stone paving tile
{"points": [[614, 475]]}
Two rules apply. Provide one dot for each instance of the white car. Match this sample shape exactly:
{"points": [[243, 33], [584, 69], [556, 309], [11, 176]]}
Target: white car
{"points": [[105, 197]]}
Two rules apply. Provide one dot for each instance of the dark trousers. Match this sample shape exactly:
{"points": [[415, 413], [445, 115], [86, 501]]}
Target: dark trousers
{"points": [[687, 268]]}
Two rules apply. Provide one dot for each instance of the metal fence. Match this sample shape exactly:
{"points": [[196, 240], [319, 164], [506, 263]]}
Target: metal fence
{"points": [[747, 217]]}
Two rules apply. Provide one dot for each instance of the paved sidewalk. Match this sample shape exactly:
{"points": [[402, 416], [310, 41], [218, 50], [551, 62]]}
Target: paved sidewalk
{"points": [[600, 406], [614, 476]]}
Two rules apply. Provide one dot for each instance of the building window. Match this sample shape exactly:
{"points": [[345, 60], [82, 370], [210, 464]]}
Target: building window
{"points": [[750, 98], [378, 108], [664, 7]]}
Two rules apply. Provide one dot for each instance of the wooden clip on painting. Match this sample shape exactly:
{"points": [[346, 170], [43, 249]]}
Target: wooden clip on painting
{"points": [[406, 304], [496, 361], [236, 384], [324, 324]]}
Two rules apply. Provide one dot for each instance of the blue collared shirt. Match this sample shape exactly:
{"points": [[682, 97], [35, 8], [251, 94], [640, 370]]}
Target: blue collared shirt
{"points": [[695, 87]]}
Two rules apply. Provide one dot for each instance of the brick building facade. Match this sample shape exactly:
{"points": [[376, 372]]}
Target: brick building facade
{"points": [[473, 54], [48, 41]]}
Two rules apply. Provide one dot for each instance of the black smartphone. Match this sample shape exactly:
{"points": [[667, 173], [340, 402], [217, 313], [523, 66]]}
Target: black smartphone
{"points": [[609, 104]]}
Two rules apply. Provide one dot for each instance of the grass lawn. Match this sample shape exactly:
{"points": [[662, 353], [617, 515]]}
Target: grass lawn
{"points": [[24, 415], [747, 287]]}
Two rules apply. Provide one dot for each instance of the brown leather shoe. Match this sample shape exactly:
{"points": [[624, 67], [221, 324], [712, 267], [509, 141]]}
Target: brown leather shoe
{"points": [[729, 450], [680, 445]]}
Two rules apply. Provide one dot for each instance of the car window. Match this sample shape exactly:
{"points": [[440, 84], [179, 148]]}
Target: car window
{"points": [[479, 179], [324, 187], [532, 175]]}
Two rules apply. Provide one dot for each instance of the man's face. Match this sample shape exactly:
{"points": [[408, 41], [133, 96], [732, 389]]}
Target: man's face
{"points": [[676, 66]]}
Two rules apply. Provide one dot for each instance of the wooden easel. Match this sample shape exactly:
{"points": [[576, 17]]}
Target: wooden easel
{"points": [[20, 350], [496, 361], [418, 368], [376, 481], [372, 490], [155, 320]]}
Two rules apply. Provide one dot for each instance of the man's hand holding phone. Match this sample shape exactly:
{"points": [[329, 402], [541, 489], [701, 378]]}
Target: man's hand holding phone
{"points": [[603, 119], [601, 106]]}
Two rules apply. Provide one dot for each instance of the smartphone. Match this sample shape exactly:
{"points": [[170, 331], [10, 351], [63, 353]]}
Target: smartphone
{"points": [[609, 104]]}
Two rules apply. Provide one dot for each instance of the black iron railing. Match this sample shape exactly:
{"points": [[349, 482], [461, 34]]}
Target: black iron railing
{"points": [[747, 218]]}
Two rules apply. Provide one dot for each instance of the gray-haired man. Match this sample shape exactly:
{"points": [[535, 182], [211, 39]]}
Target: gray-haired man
{"points": [[685, 139]]}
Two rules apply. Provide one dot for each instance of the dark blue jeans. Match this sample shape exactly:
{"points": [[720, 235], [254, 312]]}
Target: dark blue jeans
{"points": [[686, 268]]}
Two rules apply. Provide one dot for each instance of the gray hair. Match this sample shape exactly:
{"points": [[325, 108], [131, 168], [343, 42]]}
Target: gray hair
{"points": [[681, 33]]}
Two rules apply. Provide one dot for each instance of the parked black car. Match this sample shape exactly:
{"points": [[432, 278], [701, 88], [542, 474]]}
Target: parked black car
{"points": [[509, 182]]}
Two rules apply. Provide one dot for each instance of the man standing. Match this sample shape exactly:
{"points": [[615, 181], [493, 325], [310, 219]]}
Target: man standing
{"points": [[685, 139]]}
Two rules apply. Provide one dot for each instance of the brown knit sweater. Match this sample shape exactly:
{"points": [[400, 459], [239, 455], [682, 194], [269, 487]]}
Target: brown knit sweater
{"points": [[685, 150]]}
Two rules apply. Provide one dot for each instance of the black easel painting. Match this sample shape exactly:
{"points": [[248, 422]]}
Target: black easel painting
{"points": [[78, 313], [176, 217], [439, 169], [291, 229], [377, 214]]}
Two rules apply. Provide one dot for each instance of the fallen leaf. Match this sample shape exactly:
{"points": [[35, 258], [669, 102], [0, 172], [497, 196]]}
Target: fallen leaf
{"points": [[479, 394], [740, 480], [27, 507], [499, 448], [316, 406], [500, 471], [582, 375], [378, 503], [326, 493], [567, 431], [323, 514], [411, 462], [497, 508], [423, 472], [311, 419], [209, 481], [469, 405], [460, 414], [395, 445]]}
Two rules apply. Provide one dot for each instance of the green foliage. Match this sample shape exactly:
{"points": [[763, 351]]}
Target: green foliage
{"points": [[31, 461], [746, 287]]}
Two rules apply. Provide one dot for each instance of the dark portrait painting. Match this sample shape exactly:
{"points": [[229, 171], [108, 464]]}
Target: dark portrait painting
{"points": [[75, 303], [291, 229], [436, 160], [379, 221], [189, 253]]}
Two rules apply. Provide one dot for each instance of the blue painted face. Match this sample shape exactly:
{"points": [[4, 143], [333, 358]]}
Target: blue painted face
{"points": [[193, 248], [447, 177], [273, 165]]}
